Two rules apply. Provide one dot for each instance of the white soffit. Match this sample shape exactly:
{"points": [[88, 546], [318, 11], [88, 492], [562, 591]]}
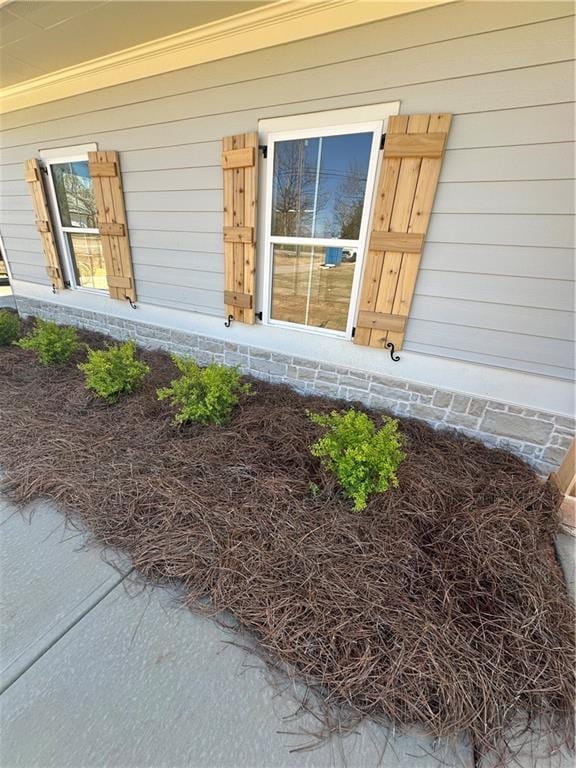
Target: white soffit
{"points": [[277, 23]]}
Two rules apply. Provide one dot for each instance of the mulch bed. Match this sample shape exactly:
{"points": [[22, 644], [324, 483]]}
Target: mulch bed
{"points": [[441, 605]]}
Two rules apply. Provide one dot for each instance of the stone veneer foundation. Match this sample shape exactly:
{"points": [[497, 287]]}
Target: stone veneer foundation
{"points": [[538, 437]]}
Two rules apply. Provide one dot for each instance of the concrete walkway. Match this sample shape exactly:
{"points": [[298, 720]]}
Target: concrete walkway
{"points": [[97, 673]]}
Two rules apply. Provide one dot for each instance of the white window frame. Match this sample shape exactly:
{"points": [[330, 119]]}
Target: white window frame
{"points": [[360, 120], [57, 157]]}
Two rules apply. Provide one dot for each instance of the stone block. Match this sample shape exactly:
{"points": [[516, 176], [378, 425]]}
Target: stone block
{"points": [[302, 362], [259, 354], [477, 407], [420, 389], [324, 388], [267, 366], [234, 358], [460, 403], [554, 454], [355, 382], [211, 345], [305, 374], [462, 420], [323, 375], [442, 399], [382, 403], [184, 339], [426, 412], [387, 382], [564, 441], [349, 393], [515, 426], [390, 393], [564, 421], [277, 358]]}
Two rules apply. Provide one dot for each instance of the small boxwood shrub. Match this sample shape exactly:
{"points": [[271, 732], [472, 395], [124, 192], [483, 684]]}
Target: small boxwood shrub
{"points": [[10, 327], [206, 395], [113, 371], [53, 344], [363, 458]]}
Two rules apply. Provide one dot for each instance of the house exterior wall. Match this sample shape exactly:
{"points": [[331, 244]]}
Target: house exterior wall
{"points": [[493, 309]]}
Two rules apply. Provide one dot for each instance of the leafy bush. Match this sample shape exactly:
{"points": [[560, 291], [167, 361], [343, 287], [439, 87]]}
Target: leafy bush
{"points": [[363, 458], [113, 371], [207, 395], [53, 344], [10, 327]]}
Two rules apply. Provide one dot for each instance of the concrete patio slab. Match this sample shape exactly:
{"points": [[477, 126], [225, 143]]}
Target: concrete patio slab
{"points": [[107, 675], [48, 583], [139, 681]]}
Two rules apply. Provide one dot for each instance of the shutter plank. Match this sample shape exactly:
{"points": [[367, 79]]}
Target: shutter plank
{"points": [[408, 242], [419, 220], [240, 183], [406, 188], [421, 144], [112, 223], [228, 145], [33, 176], [239, 157], [381, 222], [239, 235], [243, 300], [381, 321]]}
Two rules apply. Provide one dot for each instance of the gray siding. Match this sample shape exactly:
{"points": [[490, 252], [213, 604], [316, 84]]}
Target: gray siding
{"points": [[496, 284]]}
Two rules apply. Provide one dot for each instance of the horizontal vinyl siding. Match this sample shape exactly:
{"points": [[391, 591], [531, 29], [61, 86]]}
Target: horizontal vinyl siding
{"points": [[496, 284]]}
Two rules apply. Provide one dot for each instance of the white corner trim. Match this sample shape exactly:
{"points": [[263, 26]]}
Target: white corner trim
{"points": [[76, 150], [318, 120], [277, 23]]}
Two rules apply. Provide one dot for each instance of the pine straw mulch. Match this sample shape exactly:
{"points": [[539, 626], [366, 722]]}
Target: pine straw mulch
{"points": [[441, 605]]}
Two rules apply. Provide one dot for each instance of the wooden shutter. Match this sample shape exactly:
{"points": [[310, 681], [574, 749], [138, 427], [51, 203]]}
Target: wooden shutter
{"points": [[413, 152], [239, 163], [112, 224], [33, 175]]}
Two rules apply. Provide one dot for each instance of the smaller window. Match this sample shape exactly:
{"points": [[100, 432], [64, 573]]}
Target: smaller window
{"points": [[72, 197]]}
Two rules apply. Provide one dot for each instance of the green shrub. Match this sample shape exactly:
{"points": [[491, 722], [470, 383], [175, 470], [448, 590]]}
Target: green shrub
{"points": [[207, 395], [10, 327], [113, 371], [53, 344], [363, 458]]}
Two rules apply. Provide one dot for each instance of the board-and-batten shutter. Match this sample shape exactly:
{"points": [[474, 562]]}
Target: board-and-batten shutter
{"points": [[33, 175], [239, 164], [112, 225], [413, 152]]}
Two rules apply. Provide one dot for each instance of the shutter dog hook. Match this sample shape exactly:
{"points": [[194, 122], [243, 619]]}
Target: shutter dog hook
{"points": [[129, 300], [54, 288], [390, 346], [229, 321]]}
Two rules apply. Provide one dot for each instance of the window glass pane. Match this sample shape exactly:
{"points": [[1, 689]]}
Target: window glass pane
{"points": [[75, 194], [319, 186], [89, 266], [311, 285]]}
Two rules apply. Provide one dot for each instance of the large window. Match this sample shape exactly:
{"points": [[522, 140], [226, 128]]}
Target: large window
{"points": [[320, 184], [75, 213]]}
